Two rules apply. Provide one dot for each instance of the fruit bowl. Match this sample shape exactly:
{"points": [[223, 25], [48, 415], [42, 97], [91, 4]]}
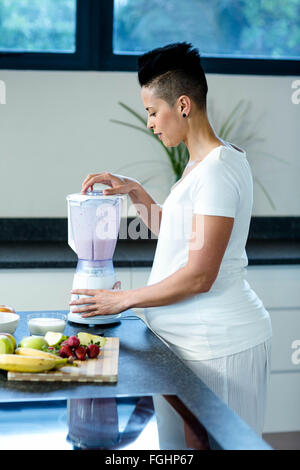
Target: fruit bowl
{"points": [[8, 322]]}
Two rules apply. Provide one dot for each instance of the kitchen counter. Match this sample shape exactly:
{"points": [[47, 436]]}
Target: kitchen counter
{"points": [[140, 253], [146, 366]]}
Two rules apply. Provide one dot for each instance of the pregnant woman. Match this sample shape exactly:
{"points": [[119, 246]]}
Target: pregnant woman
{"points": [[197, 299]]}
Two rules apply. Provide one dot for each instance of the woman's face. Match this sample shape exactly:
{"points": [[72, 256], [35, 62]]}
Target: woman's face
{"points": [[162, 119]]}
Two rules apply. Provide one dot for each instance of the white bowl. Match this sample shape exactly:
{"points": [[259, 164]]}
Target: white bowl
{"points": [[8, 322], [40, 322]]}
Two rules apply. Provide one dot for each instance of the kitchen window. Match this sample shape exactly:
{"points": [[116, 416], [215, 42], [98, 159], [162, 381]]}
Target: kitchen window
{"points": [[44, 34], [233, 36]]}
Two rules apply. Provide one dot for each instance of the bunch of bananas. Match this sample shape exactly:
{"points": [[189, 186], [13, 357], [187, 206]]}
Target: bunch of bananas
{"points": [[30, 360]]}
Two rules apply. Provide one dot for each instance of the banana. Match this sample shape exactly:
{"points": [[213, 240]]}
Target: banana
{"points": [[36, 353], [18, 363], [60, 362]]}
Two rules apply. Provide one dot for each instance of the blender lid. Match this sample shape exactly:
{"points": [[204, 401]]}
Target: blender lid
{"points": [[97, 194]]}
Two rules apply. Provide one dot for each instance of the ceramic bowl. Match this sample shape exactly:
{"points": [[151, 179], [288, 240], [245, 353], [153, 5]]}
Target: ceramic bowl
{"points": [[8, 322]]}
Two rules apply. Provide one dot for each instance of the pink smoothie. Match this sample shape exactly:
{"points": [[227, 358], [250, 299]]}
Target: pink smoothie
{"points": [[95, 229]]}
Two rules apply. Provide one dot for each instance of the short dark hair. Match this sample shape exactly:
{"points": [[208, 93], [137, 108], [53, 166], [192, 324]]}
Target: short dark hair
{"points": [[174, 70]]}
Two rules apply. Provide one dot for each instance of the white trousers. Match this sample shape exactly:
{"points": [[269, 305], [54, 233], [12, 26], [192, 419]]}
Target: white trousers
{"points": [[240, 380]]}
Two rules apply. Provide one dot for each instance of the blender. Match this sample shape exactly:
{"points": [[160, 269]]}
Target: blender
{"points": [[93, 229]]}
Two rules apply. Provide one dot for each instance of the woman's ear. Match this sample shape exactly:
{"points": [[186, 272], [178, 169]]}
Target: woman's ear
{"points": [[184, 105]]}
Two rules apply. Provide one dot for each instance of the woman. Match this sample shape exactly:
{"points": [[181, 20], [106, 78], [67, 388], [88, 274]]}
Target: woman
{"points": [[197, 299]]}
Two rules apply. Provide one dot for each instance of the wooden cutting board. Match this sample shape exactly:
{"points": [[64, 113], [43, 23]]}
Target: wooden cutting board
{"points": [[102, 369]]}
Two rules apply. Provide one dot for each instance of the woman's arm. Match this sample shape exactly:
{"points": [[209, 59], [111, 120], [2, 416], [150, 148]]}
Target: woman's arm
{"points": [[179, 286], [208, 242], [149, 211]]}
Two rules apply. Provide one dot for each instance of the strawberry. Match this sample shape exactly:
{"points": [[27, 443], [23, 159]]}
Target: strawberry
{"points": [[73, 342], [80, 353], [65, 351], [93, 350]]}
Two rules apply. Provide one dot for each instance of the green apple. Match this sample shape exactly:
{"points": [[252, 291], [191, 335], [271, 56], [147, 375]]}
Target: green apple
{"points": [[6, 345], [11, 337], [34, 342]]}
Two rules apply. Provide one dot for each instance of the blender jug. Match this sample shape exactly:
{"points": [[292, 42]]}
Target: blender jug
{"points": [[93, 228]]}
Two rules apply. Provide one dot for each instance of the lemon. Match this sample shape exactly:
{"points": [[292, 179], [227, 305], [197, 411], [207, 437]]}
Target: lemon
{"points": [[53, 338], [87, 338]]}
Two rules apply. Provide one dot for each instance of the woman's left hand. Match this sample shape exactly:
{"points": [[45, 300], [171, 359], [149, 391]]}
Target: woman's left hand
{"points": [[100, 301]]}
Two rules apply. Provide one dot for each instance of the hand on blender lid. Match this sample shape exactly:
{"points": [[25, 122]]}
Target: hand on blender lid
{"points": [[118, 184]]}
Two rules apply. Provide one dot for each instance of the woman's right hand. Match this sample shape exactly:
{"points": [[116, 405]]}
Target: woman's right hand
{"points": [[118, 184]]}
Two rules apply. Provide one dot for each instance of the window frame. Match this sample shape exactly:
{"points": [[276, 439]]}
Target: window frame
{"points": [[94, 51]]}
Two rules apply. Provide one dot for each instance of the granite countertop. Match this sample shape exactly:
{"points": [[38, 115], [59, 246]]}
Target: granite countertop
{"points": [[146, 367], [140, 253]]}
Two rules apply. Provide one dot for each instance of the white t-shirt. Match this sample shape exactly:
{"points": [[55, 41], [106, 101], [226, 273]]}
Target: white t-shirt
{"points": [[230, 317]]}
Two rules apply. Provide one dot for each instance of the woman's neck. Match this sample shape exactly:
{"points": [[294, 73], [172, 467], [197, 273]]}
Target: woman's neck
{"points": [[200, 137]]}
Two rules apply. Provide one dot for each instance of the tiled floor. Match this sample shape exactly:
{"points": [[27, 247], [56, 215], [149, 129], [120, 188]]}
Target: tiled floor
{"points": [[283, 440]]}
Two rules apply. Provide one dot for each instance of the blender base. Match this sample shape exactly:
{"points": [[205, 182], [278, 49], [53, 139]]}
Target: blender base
{"points": [[98, 320]]}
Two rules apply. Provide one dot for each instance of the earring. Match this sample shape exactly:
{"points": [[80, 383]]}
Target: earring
{"points": [[184, 115]]}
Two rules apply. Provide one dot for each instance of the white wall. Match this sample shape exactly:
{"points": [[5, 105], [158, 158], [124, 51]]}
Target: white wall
{"points": [[55, 129]]}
